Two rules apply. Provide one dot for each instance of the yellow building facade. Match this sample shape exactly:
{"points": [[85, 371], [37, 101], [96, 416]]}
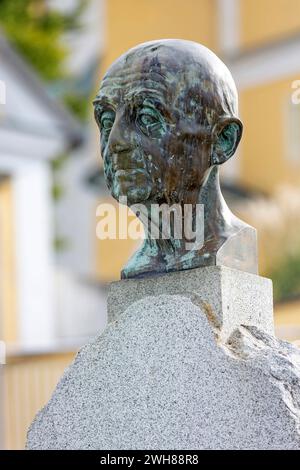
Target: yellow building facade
{"points": [[131, 22], [8, 298], [267, 159], [265, 21]]}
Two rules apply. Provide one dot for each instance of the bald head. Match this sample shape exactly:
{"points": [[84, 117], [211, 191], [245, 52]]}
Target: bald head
{"points": [[167, 112], [181, 73]]}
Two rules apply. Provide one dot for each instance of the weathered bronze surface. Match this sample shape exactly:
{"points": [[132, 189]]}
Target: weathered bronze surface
{"points": [[167, 112]]}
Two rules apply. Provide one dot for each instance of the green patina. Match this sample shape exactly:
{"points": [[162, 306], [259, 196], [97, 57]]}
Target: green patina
{"points": [[167, 114]]}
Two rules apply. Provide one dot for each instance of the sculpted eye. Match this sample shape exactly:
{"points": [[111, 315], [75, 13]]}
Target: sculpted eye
{"points": [[150, 121], [107, 120], [147, 117]]}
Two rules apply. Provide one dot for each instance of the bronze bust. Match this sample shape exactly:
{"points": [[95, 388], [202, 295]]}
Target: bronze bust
{"points": [[168, 117]]}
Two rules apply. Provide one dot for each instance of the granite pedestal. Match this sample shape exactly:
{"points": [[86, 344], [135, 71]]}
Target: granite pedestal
{"points": [[188, 361], [234, 297]]}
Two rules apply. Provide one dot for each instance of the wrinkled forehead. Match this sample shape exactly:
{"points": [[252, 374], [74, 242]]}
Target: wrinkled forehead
{"points": [[130, 83], [156, 72], [126, 85], [175, 74]]}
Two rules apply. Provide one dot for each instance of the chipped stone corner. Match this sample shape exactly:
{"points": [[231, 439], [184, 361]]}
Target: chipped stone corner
{"points": [[211, 315], [278, 359]]}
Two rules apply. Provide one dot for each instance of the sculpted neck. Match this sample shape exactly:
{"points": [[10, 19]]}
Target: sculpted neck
{"points": [[216, 212], [216, 216], [163, 255]]}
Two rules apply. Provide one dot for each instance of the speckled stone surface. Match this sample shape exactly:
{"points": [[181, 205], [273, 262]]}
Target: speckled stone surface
{"points": [[236, 297], [161, 377]]}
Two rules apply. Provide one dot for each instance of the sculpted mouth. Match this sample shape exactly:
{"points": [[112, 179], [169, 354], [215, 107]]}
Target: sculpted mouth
{"points": [[126, 162], [128, 165], [124, 172]]}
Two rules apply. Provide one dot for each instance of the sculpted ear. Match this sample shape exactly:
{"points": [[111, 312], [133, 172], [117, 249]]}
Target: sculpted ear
{"points": [[226, 136]]}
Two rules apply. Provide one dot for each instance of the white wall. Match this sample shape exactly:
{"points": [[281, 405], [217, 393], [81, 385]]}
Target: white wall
{"points": [[87, 44], [31, 180], [29, 125], [80, 307], [76, 212], [21, 103]]}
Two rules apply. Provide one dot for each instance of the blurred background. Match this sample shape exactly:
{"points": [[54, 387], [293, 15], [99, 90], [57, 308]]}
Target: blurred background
{"points": [[54, 272]]}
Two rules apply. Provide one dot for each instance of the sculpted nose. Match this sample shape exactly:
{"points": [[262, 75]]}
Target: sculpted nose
{"points": [[119, 139]]}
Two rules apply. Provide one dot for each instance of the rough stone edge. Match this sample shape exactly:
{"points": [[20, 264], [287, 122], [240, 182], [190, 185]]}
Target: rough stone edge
{"points": [[244, 344]]}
